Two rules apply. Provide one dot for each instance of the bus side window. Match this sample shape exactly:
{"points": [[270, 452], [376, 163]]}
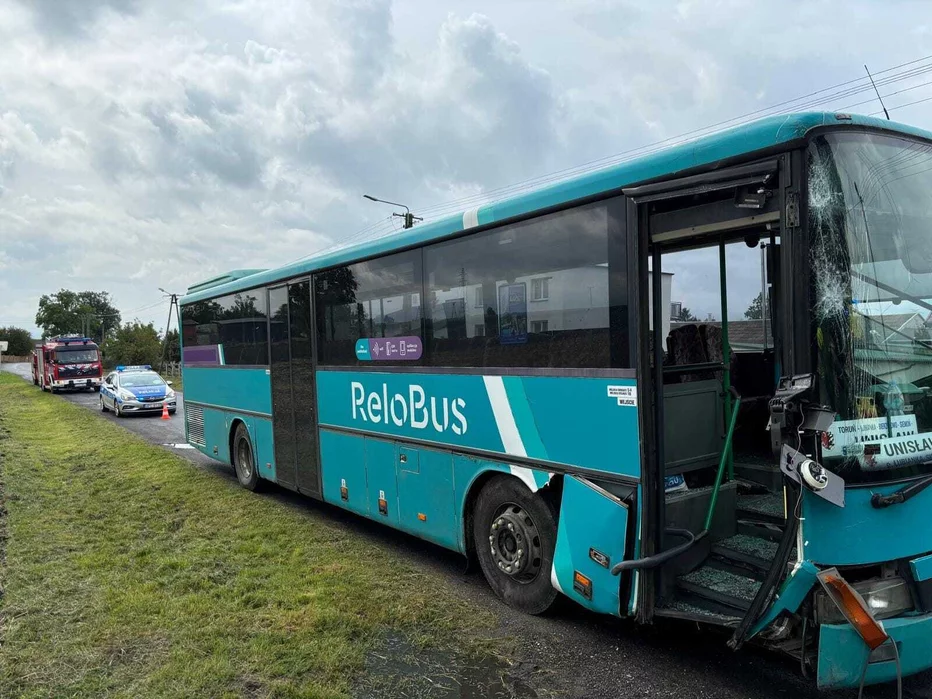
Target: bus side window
{"points": [[376, 299], [535, 294]]}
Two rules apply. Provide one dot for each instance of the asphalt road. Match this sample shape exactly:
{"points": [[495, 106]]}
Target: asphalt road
{"points": [[580, 654]]}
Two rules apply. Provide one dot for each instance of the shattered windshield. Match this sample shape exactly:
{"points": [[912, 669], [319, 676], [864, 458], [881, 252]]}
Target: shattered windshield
{"points": [[870, 223]]}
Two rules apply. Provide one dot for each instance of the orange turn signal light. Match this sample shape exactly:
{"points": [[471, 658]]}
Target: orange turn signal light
{"points": [[582, 584], [853, 606]]}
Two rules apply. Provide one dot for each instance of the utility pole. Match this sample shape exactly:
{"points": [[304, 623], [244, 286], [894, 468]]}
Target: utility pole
{"points": [[172, 305]]}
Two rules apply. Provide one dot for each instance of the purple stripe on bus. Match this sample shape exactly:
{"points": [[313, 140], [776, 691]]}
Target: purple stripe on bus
{"points": [[204, 355]]}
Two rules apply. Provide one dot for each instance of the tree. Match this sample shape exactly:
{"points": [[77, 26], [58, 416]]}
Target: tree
{"points": [[756, 309], [68, 312], [20, 341], [686, 315], [173, 347], [133, 343]]}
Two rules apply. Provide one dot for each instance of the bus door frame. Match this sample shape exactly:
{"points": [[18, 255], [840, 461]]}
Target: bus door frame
{"points": [[650, 380], [293, 480]]}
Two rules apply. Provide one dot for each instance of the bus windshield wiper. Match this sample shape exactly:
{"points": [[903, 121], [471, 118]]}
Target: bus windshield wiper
{"points": [[902, 495]]}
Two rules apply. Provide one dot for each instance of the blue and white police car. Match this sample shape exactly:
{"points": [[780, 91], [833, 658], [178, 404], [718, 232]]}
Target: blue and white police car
{"points": [[136, 389]]}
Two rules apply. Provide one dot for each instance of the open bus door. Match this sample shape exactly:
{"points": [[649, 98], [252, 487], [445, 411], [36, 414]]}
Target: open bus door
{"points": [[715, 546]]}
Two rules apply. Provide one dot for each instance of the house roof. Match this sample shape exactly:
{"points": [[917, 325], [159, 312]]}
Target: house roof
{"points": [[742, 334]]}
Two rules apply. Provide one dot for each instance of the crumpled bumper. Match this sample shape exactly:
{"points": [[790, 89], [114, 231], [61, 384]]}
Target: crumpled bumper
{"points": [[842, 653]]}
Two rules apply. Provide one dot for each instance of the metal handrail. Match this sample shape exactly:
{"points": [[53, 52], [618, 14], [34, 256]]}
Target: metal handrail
{"points": [[723, 462]]}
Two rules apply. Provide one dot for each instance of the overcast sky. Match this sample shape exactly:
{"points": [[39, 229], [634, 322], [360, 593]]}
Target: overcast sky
{"points": [[155, 143]]}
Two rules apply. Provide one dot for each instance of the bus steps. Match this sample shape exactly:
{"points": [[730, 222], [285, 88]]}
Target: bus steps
{"points": [[743, 555], [760, 530], [747, 487], [767, 508], [724, 588], [693, 609]]}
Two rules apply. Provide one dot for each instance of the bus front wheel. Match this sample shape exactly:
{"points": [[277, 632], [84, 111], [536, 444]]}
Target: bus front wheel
{"points": [[515, 532], [244, 463]]}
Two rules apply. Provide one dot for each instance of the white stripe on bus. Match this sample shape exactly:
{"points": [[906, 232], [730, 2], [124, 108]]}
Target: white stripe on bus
{"points": [[504, 420], [508, 429], [471, 218]]}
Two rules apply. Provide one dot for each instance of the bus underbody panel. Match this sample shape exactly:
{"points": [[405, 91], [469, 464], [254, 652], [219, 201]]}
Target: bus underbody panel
{"points": [[591, 538]]}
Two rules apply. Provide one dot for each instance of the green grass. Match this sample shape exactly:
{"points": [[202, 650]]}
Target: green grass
{"points": [[130, 572]]}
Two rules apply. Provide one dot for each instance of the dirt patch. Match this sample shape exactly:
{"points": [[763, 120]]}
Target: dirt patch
{"points": [[397, 668]]}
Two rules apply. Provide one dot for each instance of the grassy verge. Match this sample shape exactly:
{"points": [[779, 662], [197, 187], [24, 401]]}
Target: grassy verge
{"points": [[129, 572]]}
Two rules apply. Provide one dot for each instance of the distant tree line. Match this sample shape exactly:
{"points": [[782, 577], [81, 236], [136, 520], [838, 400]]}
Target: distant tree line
{"points": [[92, 314]]}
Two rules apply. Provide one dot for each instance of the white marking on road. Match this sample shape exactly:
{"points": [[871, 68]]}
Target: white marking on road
{"points": [[179, 446]]}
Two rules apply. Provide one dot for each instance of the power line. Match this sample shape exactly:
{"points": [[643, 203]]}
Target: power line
{"points": [[816, 98], [144, 308], [795, 104], [908, 104], [345, 241]]}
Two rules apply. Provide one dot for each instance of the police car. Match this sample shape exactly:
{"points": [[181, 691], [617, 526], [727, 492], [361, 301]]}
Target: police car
{"points": [[135, 389]]}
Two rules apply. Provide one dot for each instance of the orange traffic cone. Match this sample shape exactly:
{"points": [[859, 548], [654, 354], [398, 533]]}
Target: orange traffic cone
{"points": [[165, 415]]}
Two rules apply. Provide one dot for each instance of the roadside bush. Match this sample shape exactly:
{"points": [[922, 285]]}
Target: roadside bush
{"points": [[133, 343], [19, 339]]}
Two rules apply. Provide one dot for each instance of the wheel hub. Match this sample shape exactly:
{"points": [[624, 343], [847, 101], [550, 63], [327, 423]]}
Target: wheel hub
{"points": [[245, 460], [515, 543]]}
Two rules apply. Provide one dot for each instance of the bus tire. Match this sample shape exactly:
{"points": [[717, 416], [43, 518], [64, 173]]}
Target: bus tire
{"points": [[509, 519], [244, 460]]}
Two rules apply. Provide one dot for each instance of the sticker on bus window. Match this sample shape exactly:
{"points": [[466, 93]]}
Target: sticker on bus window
{"points": [[627, 395], [389, 349], [897, 452], [847, 437], [512, 314]]}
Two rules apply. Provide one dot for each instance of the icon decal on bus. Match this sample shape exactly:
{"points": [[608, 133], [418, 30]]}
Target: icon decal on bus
{"points": [[414, 410], [405, 349]]}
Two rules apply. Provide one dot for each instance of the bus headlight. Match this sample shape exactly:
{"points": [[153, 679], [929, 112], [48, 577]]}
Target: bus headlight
{"points": [[885, 598]]}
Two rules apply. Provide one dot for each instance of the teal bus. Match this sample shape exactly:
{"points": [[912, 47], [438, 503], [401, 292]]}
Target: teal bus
{"points": [[695, 385]]}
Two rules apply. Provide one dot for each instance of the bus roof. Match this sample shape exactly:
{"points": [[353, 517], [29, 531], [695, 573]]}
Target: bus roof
{"points": [[748, 138]]}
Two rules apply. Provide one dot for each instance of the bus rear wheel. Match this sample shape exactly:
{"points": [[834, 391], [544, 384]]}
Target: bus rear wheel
{"points": [[244, 463], [515, 532]]}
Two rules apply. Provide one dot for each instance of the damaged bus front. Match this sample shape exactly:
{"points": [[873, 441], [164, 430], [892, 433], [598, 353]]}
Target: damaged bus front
{"points": [[864, 504]]}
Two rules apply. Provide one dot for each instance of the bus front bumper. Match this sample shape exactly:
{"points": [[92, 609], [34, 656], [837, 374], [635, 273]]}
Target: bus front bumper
{"points": [[842, 653]]}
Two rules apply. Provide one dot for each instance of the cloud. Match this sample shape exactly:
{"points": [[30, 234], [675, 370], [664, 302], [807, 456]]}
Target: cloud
{"points": [[154, 143], [74, 18]]}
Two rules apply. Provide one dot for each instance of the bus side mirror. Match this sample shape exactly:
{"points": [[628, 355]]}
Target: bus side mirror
{"points": [[812, 476]]}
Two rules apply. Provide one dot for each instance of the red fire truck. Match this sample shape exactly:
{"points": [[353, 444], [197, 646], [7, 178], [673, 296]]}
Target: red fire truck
{"points": [[67, 362]]}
